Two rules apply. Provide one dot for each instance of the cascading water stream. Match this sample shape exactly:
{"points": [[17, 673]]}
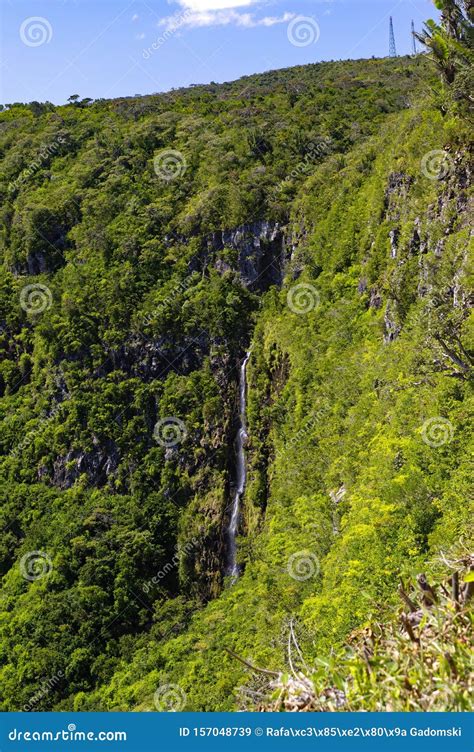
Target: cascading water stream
{"points": [[241, 472]]}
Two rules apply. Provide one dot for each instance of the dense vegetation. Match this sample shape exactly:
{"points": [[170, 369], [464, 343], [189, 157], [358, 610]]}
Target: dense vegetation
{"points": [[319, 215]]}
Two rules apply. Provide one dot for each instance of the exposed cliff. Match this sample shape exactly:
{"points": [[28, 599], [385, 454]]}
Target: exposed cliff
{"points": [[162, 238]]}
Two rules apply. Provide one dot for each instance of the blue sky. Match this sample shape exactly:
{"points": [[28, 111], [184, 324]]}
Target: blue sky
{"points": [[108, 48]]}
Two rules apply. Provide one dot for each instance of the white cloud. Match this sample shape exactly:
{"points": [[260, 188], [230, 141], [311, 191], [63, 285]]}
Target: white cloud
{"points": [[272, 20], [222, 17], [135, 17], [202, 6]]}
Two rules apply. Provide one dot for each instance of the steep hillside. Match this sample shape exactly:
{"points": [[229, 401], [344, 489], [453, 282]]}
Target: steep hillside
{"points": [[318, 217]]}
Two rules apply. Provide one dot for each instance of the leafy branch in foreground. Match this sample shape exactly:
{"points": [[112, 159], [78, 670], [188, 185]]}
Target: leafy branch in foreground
{"points": [[450, 44], [420, 661]]}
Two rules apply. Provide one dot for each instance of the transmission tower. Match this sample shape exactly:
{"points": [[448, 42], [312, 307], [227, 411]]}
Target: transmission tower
{"points": [[413, 38], [392, 50]]}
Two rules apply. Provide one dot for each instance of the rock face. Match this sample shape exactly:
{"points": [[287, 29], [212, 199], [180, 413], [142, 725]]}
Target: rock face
{"points": [[259, 259], [98, 465], [261, 253], [396, 192], [394, 235], [391, 326], [149, 359]]}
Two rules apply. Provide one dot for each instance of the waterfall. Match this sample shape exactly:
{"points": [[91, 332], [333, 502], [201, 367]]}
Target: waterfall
{"points": [[241, 471]]}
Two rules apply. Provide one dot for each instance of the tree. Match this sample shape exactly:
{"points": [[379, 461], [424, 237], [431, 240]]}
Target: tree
{"points": [[450, 42]]}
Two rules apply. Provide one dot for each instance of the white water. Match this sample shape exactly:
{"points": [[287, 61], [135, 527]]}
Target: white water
{"points": [[241, 471]]}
